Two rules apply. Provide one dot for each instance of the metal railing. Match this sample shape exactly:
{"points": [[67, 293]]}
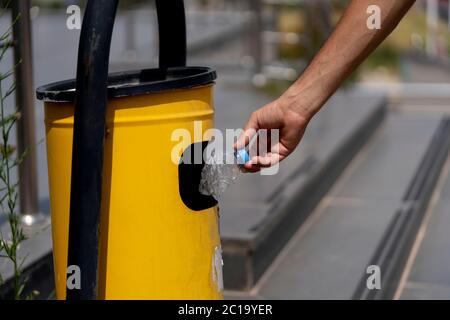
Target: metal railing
{"points": [[26, 139]]}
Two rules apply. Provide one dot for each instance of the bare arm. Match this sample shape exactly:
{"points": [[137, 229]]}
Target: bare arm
{"points": [[349, 45]]}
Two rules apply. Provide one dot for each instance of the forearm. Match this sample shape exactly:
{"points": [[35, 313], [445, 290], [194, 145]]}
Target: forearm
{"points": [[348, 46]]}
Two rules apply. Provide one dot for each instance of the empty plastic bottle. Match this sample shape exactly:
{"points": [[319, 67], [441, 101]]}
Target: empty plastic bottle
{"points": [[221, 170]]}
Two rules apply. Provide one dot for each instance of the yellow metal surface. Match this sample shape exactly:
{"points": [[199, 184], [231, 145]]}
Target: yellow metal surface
{"points": [[152, 246]]}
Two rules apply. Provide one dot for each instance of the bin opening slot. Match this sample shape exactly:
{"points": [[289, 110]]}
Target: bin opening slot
{"points": [[189, 176]]}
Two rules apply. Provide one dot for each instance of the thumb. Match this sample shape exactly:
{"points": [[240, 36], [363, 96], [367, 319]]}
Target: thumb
{"points": [[250, 130]]}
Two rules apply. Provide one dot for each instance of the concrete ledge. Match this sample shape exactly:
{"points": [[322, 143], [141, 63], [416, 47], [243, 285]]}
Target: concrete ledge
{"points": [[38, 266]]}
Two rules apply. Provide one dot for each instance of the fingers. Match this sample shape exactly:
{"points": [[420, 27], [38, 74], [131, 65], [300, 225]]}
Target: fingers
{"points": [[266, 161], [259, 162], [249, 167], [245, 138]]}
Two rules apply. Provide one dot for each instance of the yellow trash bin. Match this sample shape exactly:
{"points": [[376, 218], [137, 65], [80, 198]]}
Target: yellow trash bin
{"points": [[158, 235]]}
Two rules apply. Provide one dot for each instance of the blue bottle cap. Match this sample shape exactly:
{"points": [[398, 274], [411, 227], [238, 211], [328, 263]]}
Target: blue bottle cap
{"points": [[242, 156]]}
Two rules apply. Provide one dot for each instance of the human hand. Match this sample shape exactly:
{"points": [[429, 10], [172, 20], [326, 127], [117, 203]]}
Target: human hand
{"points": [[280, 114]]}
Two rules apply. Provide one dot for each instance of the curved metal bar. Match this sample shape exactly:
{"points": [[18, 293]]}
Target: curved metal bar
{"points": [[89, 125], [88, 141], [172, 33]]}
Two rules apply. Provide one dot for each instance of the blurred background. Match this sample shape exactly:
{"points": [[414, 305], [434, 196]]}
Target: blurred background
{"points": [[368, 186]]}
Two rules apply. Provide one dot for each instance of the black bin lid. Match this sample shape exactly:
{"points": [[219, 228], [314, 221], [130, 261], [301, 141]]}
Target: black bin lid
{"points": [[133, 83]]}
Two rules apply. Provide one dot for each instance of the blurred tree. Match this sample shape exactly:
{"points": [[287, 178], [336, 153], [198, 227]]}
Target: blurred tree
{"points": [[318, 21], [312, 22]]}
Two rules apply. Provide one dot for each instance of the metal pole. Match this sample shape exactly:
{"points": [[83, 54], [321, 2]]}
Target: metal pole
{"points": [[26, 141], [256, 41], [130, 41], [432, 25], [448, 14]]}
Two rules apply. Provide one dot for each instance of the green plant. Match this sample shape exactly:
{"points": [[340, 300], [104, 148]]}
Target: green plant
{"points": [[9, 160]]}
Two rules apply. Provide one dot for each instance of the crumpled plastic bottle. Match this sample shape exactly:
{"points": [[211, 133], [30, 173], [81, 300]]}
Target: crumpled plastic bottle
{"points": [[222, 168], [220, 171]]}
